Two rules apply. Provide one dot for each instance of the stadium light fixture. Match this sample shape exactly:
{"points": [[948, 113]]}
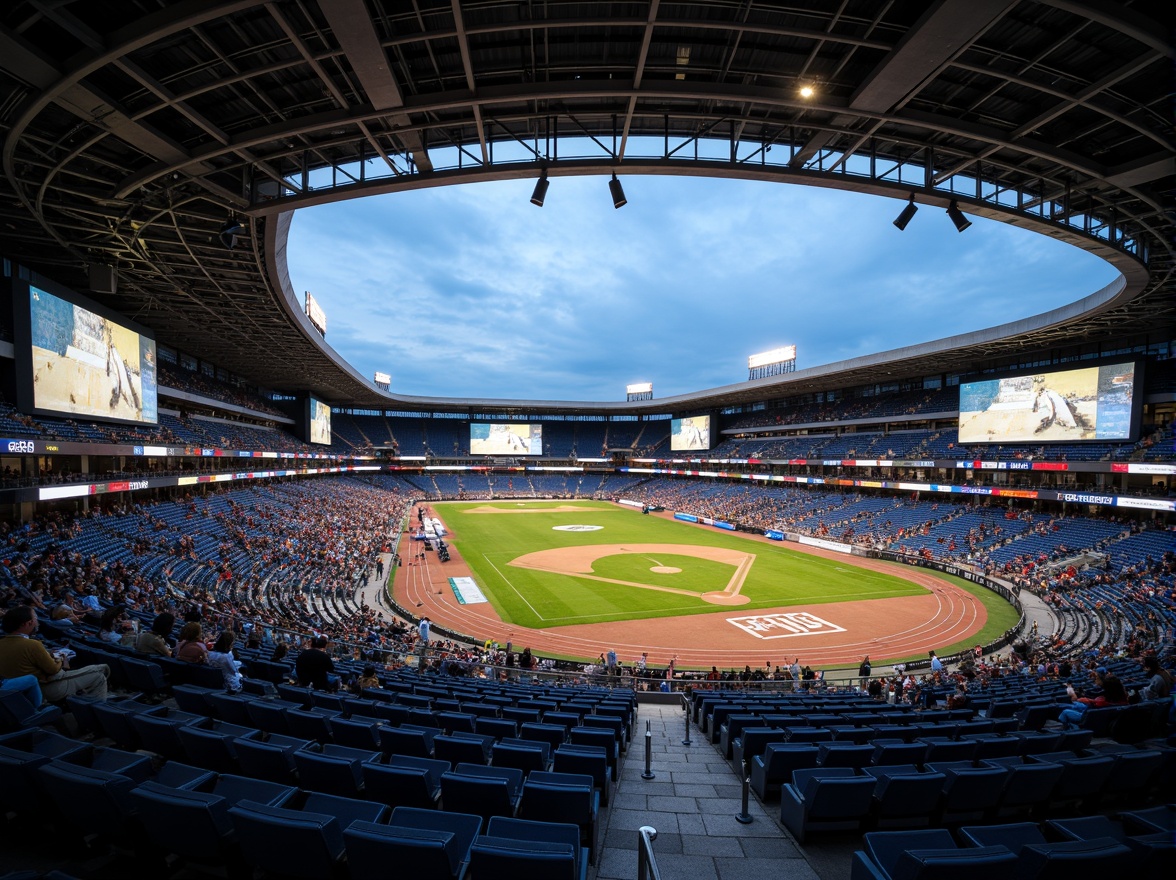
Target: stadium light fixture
{"points": [[229, 232], [618, 194], [957, 217], [908, 212], [540, 192]]}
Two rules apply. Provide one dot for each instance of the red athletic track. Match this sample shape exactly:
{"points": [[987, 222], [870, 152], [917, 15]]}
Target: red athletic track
{"points": [[883, 628]]}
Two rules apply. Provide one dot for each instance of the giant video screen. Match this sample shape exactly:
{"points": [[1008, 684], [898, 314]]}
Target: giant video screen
{"points": [[505, 439], [1089, 403], [318, 417], [80, 361], [691, 434]]}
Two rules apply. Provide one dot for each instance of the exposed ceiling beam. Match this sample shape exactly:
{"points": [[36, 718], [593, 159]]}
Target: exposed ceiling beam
{"points": [[463, 44], [353, 28], [946, 28], [638, 74]]}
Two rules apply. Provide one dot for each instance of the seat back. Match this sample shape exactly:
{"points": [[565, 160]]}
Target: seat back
{"points": [[416, 852], [837, 797], [188, 823], [400, 786], [329, 774], [272, 761], [402, 741], [497, 858], [480, 795], [288, 842], [908, 798], [972, 863], [1064, 861], [93, 801]]}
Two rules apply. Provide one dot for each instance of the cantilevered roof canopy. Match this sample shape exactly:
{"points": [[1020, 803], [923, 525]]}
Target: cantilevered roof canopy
{"points": [[132, 129]]}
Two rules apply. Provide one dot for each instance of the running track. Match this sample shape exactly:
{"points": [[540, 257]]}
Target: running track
{"points": [[883, 628]]}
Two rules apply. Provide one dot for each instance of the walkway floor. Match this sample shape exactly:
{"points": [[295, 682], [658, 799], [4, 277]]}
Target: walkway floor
{"points": [[692, 803]]}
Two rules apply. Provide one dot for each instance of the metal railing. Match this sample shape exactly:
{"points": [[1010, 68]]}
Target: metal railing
{"points": [[646, 861]]}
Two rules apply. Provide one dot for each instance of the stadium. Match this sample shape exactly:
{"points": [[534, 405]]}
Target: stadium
{"points": [[292, 622]]}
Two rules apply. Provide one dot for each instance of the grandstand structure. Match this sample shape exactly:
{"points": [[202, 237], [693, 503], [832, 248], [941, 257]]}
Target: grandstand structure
{"points": [[153, 154]]}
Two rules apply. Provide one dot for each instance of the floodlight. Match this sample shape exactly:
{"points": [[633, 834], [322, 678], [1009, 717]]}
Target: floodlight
{"points": [[908, 212], [806, 91], [229, 232], [540, 192], [618, 194], [957, 217]]}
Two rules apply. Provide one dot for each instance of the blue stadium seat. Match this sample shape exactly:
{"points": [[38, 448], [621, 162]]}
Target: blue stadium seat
{"points": [[423, 844], [825, 799], [513, 848]]}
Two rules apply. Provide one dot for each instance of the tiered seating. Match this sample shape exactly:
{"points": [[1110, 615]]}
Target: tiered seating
{"points": [[245, 795]]}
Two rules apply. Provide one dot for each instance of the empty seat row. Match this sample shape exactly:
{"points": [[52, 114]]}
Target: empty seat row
{"points": [[950, 793]]}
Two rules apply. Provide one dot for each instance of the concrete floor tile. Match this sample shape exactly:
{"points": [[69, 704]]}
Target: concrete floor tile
{"points": [[631, 820], [691, 825], [629, 801], [693, 777], [769, 848], [693, 844], [757, 869], [724, 825], [620, 864], [673, 804], [688, 790]]}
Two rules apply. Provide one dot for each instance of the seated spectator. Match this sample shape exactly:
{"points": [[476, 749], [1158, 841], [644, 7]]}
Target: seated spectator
{"points": [[1159, 683], [315, 668], [221, 657], [367, 679], [191, 648], [21, 654], [154, 640], [1113, 694], [28, 684], [65, 614], [115, 628]]}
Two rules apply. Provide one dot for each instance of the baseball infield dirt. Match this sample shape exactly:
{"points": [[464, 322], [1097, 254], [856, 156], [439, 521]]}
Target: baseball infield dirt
{"points": [[883, 628]]}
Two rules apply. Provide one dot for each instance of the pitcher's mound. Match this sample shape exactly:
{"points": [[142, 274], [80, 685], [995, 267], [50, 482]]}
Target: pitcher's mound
{"points": [[665, 569], [721, 598]]}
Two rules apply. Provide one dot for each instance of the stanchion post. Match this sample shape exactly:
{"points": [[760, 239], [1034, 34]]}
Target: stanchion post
{"points": [[686, 706], [744, 818], [648, 774]]}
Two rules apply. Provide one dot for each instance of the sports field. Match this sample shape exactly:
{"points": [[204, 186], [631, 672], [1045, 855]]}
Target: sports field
{"points": [[557, 563]]}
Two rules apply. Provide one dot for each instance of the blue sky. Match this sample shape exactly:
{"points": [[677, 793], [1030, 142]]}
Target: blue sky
{"points": [[471, 291]]}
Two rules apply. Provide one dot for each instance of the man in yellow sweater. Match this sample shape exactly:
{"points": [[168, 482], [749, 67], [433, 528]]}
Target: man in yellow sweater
{"points": [[20, 654]]}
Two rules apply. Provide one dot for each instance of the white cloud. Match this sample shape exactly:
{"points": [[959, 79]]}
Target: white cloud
{"points": [[472, 291]]}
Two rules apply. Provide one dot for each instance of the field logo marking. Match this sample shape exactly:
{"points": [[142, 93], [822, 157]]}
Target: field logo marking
{"points": [[785, 626], [576, 528]]}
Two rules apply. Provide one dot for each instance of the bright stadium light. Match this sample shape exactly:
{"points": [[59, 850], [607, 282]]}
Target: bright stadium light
{"points": [[618, 194], [540, 192], [908, 212], [957, 216]]}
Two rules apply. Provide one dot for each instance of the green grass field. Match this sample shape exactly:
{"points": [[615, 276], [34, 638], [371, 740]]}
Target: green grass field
{"points": [[778, 576]]}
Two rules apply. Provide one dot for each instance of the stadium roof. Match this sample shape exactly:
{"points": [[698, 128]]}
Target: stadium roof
{"points": [[133, 129]]}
